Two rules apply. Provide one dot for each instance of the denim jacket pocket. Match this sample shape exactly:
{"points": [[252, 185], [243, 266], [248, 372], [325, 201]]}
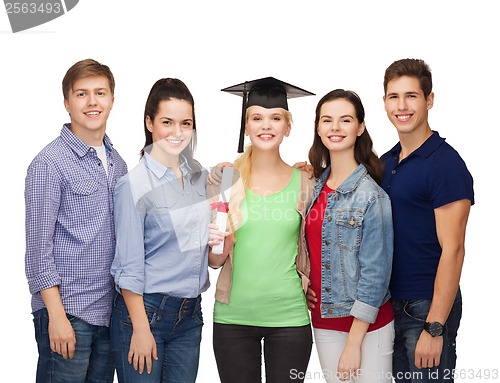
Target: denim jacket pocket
{"points": [[349, 228]]}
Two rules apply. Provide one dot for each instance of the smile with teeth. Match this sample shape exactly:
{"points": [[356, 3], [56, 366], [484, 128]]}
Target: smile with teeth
{"points": [[335, 138], [403, 117], [266, 136], [174, 141], [93, 113]]}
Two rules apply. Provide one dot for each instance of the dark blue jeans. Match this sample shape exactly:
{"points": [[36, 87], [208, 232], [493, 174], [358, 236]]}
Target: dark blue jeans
{"points": [[92, 362], [409, 318], [176, 325], [238, 353]]}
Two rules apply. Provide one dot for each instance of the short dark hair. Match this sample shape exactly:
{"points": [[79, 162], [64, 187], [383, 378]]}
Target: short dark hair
{"points": [[412, 68]]}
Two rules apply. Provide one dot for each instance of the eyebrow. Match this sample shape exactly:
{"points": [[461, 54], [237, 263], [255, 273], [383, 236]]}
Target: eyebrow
{"points": [[86, 90], [171, 119], [405, 93], [343, 116]]}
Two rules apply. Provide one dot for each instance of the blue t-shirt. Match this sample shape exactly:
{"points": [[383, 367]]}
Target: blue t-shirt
{"points": [[432, 176]]}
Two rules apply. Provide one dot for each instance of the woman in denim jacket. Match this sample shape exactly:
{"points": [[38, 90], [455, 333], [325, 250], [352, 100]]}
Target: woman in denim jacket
{"points": [[350, 239]]}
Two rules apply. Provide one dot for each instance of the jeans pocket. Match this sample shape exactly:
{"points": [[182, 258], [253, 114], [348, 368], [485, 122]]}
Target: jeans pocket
{"points": [[418, 309], [38, 322], [198, 316], [152, 314]]}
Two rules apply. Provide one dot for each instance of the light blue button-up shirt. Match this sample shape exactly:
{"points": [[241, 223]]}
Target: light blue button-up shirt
{"points": [[161, 231]]}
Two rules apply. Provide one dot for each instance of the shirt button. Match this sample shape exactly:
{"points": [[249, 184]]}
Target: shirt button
{"points": [[327, 242], [329, 218], [327, 266], [327, 289], [394, 171], [336, 198], [330, 311]]}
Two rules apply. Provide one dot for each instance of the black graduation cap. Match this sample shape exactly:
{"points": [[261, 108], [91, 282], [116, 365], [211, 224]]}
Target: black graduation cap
{"points": [[267, 92]]}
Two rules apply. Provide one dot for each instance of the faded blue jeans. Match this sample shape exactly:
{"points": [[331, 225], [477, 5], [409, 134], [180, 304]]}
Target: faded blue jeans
{"points": [[176, 325], [92, 362], [409, 318]]}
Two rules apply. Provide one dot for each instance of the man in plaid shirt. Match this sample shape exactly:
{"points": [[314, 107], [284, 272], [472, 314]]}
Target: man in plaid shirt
{"points": [[70, 233]]}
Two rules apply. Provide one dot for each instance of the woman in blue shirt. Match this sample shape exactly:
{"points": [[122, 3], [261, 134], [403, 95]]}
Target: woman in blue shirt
{"points": [[160, 266]]}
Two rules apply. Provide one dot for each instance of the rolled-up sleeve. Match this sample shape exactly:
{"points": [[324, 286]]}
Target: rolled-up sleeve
{"points": [[42, 200], [375, 260], [128, 264]]}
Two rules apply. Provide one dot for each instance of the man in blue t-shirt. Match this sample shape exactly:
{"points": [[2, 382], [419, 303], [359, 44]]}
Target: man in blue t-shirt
{"points": [[431, 192]]}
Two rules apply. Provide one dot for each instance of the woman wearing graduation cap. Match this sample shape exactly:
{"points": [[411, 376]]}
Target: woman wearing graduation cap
{"points": [[260, 291]]}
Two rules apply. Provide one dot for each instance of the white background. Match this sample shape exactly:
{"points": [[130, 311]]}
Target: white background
{"points": [[319, 46]]}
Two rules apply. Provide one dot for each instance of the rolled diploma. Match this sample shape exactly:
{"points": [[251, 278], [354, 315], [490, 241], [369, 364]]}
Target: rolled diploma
{"points": [[222, 210]]}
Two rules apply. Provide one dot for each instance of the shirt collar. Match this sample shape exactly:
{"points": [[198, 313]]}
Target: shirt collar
{"points": [[159, 170], [349, 184], [78, 146], [424, 150]]}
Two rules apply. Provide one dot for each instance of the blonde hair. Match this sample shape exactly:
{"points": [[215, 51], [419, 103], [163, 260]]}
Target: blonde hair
{"points": [[243, 164]]}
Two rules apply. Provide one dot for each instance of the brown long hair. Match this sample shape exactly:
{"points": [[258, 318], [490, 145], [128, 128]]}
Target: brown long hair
{"points": [[319, 156]]}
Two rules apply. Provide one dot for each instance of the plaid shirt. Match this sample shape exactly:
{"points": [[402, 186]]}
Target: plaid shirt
{"points": [[69, 226]]}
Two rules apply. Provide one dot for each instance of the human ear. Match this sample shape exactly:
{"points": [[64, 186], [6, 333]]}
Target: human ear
{"points": [[430, 100], [288, 130], [149, 124], [361, 128]]}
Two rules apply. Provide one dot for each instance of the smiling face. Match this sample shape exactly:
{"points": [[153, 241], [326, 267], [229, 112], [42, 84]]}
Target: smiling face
{"points": [[172, 130], [89, 103], [266, 128], [338, 126], [406, 105]]}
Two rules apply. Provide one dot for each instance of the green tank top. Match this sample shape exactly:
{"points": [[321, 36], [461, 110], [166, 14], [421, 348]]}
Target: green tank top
{"points": [[266, 289]]}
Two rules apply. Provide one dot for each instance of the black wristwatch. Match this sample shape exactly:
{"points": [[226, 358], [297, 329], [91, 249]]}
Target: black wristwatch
{"points": [[434, 328]]}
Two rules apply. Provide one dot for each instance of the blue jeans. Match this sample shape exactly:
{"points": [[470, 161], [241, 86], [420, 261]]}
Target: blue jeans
{"points": [[238, 353], [92, 362], [176, 325], [409, 318]]}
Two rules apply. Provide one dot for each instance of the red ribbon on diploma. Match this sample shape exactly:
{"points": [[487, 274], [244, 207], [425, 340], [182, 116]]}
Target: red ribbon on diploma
{"points": [[222, 207]]}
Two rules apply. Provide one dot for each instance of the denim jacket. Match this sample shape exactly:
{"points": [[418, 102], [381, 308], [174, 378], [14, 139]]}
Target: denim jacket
{"points": [[357, 247]]}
